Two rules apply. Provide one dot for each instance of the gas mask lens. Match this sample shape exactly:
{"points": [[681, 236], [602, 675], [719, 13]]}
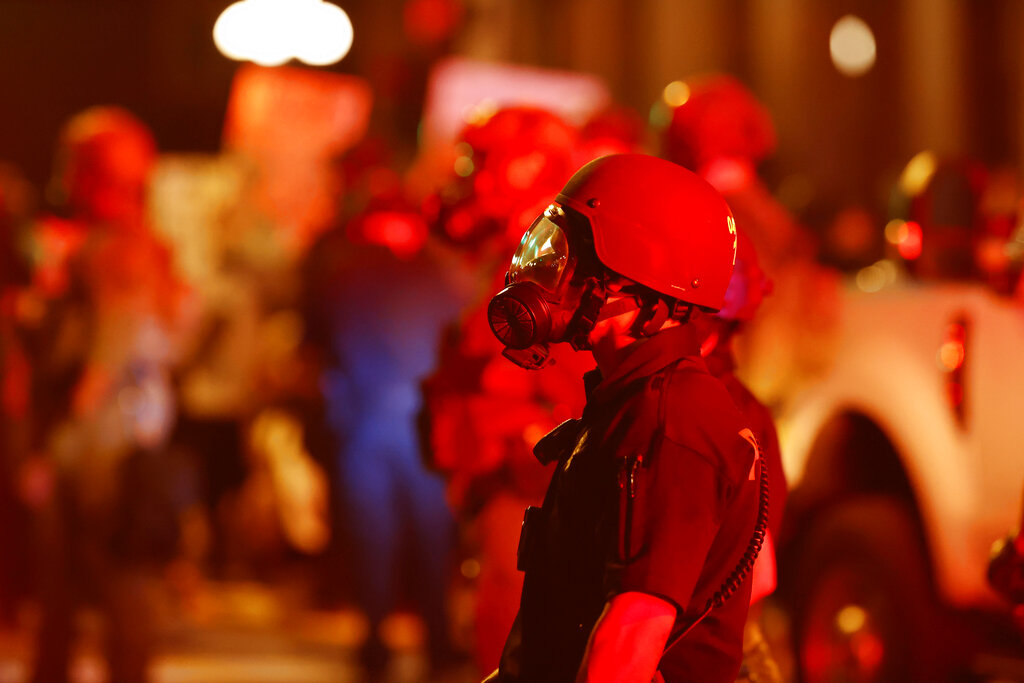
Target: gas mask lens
{"points": [[542, 255]]}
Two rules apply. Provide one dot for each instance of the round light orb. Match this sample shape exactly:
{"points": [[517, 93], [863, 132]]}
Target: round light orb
{"points": [[852, 46], [271, 32]]}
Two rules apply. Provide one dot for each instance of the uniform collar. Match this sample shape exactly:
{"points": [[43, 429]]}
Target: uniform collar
{"points": [[644, 358], [720, 361]]}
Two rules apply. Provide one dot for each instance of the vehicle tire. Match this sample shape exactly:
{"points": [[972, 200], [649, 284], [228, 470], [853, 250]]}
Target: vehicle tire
{"points": [[863, 605]]}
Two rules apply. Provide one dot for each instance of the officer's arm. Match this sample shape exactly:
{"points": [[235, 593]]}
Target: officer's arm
{"points": [[627, 641]]}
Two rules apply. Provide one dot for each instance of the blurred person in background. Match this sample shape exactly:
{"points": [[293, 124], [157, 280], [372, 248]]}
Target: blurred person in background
{"points": [[384, 305], [1006, 570], [722, 132], [999, 248], [363, 177], [747, 289], [505, 163], [16, 206], [938, 200], [115, 311], [955, 219]]}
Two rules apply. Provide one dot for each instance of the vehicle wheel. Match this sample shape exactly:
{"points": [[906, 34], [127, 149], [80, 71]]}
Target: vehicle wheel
{"points": [[863, 602]]}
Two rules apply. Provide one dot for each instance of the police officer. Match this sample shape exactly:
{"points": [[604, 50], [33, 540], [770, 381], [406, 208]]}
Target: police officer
{"points": [[638, 561]]}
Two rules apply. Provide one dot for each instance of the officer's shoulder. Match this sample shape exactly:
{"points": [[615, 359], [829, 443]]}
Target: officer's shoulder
{"points": [[692, 390], [699, 413], [753, 411]]}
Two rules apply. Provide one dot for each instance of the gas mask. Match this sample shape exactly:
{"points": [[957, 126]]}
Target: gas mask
{"points": [[554, 289]]}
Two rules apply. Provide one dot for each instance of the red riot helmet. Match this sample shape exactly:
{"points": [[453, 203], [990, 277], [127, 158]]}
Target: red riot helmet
{"points": [[635, 216], [719, 118], [104, 159]]}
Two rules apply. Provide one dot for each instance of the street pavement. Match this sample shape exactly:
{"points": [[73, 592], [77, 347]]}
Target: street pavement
{"points": [[243, 632]]}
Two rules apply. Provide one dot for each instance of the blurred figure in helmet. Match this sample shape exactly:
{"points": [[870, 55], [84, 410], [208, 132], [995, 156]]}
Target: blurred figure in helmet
{"points": [[105, 405], [743, 298], [719, 130], [504, 164], [936, 206], [638, 561]]}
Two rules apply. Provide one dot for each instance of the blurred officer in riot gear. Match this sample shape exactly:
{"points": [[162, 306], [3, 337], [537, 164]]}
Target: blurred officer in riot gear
{"points": [[937, 209], [652, 521], [506, 166], [723, 133]]}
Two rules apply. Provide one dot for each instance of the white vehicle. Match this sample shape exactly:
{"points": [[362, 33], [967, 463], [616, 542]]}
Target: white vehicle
{"points": [[905, 459]]}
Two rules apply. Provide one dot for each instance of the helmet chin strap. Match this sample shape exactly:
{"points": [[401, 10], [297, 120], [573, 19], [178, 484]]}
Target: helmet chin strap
{"points": [[654, 313], [594, 308], [618, 307], [592, 302]]}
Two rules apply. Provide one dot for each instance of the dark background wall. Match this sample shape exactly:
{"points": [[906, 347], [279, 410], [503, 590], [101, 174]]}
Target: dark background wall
{"points": [[947, 77]]}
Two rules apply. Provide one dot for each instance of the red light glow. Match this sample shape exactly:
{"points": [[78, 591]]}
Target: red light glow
{"points": [[951, 355], [401, 232], [952, 358], [910, 240]]}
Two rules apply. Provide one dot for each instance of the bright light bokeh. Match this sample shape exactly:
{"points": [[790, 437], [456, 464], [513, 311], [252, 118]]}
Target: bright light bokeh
{"points": [[271, 32], [852, 45], [851, 619], [877, 276], [918, 173], [895, 230], [951, 355], [911, 239], [676, 93]]}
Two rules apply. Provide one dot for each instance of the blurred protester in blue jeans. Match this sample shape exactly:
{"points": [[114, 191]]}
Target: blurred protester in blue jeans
{"points": [[385, 309]]}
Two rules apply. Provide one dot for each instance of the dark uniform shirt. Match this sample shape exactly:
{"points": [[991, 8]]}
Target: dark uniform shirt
{"points": [[721, 364], [651, 493]]}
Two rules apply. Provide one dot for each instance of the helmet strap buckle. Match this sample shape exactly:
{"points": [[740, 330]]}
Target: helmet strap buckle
{"points": [[681, 311], [654, 311]]}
